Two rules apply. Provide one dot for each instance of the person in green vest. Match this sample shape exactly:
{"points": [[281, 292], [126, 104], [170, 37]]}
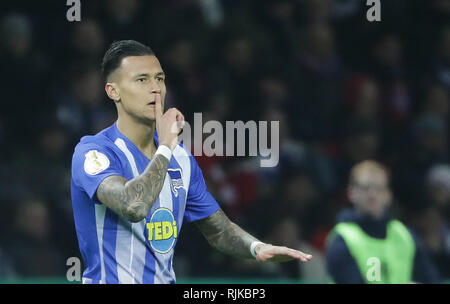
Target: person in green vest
{"points": [[368, 245]]}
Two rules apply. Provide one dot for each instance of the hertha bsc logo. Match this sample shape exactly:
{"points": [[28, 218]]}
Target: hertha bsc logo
{"points": [[176, 180]]}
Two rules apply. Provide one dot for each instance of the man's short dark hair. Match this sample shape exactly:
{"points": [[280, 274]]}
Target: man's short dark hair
{"points": [[119, 50]]}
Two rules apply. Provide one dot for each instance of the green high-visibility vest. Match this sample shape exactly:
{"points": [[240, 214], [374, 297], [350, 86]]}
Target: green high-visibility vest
{"points": [[381, 261]]}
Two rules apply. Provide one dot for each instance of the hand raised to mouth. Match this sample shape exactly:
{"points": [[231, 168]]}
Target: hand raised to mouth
{"points": [[168, 125]]}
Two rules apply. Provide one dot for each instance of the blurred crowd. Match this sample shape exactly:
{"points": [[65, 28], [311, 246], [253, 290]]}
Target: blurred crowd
{"points": [[343, 89]]}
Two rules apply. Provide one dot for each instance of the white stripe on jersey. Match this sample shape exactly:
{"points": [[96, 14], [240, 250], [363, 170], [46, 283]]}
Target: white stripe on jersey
{"points": [[182, 157], [162, 274], [100, 211]]}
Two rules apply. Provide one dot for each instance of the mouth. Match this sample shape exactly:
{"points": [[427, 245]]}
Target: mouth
{"points": [[152, 103]]}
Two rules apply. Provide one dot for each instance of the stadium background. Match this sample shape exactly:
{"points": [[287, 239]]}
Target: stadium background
{"points": [[344, 89]]}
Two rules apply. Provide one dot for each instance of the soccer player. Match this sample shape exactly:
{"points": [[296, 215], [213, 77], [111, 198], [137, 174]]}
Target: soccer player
{"points": [[133, 184]]}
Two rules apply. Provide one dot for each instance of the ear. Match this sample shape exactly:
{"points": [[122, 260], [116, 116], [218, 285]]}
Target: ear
{"points": [[112, 91]]}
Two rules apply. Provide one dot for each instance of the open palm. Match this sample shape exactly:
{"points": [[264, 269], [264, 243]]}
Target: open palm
{"points": [[270, 253]]}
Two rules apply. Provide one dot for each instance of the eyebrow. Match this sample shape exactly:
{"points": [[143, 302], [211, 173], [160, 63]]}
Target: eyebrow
{"points": [[147, 74]]}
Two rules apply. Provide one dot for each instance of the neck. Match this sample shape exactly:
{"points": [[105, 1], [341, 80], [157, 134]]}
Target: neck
{"points": [[140, 134], [372, 216]]}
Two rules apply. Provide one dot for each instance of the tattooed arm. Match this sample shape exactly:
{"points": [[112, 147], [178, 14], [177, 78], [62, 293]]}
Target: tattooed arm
{"points": [[225, 235], [229, 238], [133, 199]]}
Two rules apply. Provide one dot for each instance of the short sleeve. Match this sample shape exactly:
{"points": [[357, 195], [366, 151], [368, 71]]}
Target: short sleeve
{"points": [[200, 203], [91, 164]]}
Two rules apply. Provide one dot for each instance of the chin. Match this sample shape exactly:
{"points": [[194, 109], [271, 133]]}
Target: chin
{"points": [[147, 120], [378, 214]]}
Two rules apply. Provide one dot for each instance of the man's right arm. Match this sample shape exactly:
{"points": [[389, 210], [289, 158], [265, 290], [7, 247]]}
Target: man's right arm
{"points": [[133, 199]]}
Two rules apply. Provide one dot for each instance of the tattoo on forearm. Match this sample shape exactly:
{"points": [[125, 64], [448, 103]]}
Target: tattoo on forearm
{"points": [[133, 199], [225, 235]]}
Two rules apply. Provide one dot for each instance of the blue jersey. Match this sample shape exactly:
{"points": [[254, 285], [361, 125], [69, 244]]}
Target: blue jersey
{"points": [[115, 250]]}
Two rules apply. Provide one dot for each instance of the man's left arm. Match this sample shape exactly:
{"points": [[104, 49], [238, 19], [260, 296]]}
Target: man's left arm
{"points": [[229, 238]]}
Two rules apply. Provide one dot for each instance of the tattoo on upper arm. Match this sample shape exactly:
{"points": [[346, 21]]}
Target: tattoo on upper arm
{"points": [[225, 235], [133, 199]]}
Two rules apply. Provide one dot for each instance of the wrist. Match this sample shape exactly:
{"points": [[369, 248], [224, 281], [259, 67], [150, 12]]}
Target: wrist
{"points": [[170, 145], [254, 248], [164, 150]]}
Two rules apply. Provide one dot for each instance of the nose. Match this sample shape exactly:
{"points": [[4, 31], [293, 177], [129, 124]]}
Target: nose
{"points": [[155, 87]]}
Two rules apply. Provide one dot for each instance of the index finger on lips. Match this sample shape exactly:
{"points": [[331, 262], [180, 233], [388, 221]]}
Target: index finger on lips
{"points": [[158, 107]]}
